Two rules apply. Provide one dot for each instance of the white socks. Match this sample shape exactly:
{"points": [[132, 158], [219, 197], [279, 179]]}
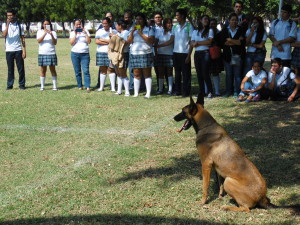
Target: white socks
{"points": [[160, 84], [42, 79], [170, 81], [137, 84], [216, 81], [102, 81], [120, 81], [148, 82], [112, 78], [126, 86], [54, 81]]}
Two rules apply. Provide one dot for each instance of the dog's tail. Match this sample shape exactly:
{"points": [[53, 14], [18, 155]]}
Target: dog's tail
{"points": [[266, 204]]}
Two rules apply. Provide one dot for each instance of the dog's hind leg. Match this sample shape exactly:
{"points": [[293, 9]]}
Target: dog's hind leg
{"points": [[240, 193], [235, 208]]}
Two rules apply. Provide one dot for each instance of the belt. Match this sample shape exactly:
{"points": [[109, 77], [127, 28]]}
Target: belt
{"points": [[200, 51]]}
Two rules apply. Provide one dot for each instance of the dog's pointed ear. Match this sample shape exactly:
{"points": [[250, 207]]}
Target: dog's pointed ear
{"points": [[191, 100], [200, 99], [192, 107]]}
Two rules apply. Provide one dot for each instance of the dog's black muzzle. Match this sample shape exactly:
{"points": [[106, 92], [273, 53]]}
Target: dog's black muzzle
{"points": [[187, 124]]}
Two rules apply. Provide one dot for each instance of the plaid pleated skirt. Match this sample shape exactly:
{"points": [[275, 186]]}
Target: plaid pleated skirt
{"points": [[47, 60], [102, 59], [163, 60], [141, 61], [296, 57]]}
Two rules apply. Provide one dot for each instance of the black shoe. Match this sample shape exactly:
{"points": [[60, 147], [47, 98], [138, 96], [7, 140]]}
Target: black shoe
{"points": [[22, 88], [176, 94], [8, 88], [159, 92]]}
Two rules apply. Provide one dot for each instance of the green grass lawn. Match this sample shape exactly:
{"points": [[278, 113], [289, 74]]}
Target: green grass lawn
{"points": [[72, 157]]}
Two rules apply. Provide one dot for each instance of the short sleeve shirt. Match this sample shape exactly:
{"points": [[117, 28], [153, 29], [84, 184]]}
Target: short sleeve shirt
{"points": [[46, 47], [182, 36], [281, 31], [13, 39], [162, 38], [102, 33], [298, 33], [197, 36], [124, 34], [139, 46], [256, 78], [283, 78], [80, 45], [252, 41], [158, 30]]}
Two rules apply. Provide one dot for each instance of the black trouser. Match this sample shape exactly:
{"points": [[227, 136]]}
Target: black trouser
{"points": [[182, 70], [201, 60], [10, 58], [275, 96]]}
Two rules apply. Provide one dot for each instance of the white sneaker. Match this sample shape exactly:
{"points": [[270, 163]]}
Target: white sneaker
{"points": [[54, 89], [100, 89], [41, 89], [209, 95], [127, 95], [135, 96], [117, 93], [147, 96]]}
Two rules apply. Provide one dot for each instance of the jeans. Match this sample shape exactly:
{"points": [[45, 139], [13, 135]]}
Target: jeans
{"points": [[202, 59], [250, 58], [249, 86], [10, 58], [232, 72], [81, 60], [182, 70]]}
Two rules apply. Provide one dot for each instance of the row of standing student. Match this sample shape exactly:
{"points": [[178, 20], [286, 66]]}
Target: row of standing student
{"points": [[231, 39]]}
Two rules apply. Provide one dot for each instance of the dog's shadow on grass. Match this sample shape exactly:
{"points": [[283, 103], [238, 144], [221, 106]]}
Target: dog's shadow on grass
{"points": [[180, 168], [113, 219]]}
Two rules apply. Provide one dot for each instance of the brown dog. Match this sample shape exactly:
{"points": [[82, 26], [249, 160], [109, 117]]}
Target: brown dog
{"points": [[242, 180]]}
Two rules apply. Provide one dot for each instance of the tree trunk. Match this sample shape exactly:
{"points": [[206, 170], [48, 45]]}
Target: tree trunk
{"points": [[64, 29], [27, 24]]}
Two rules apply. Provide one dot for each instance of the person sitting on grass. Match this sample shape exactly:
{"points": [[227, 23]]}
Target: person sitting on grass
{"points": [[283, 84], [258, 80]]}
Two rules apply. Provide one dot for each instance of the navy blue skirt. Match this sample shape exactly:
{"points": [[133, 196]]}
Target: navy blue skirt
{"points": [[47, 60], [141, 61], [163, 60], [102, 59], [296, 57]]}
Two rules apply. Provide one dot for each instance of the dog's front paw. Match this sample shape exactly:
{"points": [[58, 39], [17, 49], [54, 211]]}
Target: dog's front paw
{"points": [[200, 202]]}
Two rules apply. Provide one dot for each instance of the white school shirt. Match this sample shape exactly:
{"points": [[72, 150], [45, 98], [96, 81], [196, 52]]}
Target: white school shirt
{"points": [[158, 30], [81, 45], [281, 31], [139, 46], [282, 78], [124, 34], [46, 47], [197, 36], [252, 41], [162, 38], [232, 33], [182, 37], [298, 33], [102, 33], [13, 39], [256, 79]]}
